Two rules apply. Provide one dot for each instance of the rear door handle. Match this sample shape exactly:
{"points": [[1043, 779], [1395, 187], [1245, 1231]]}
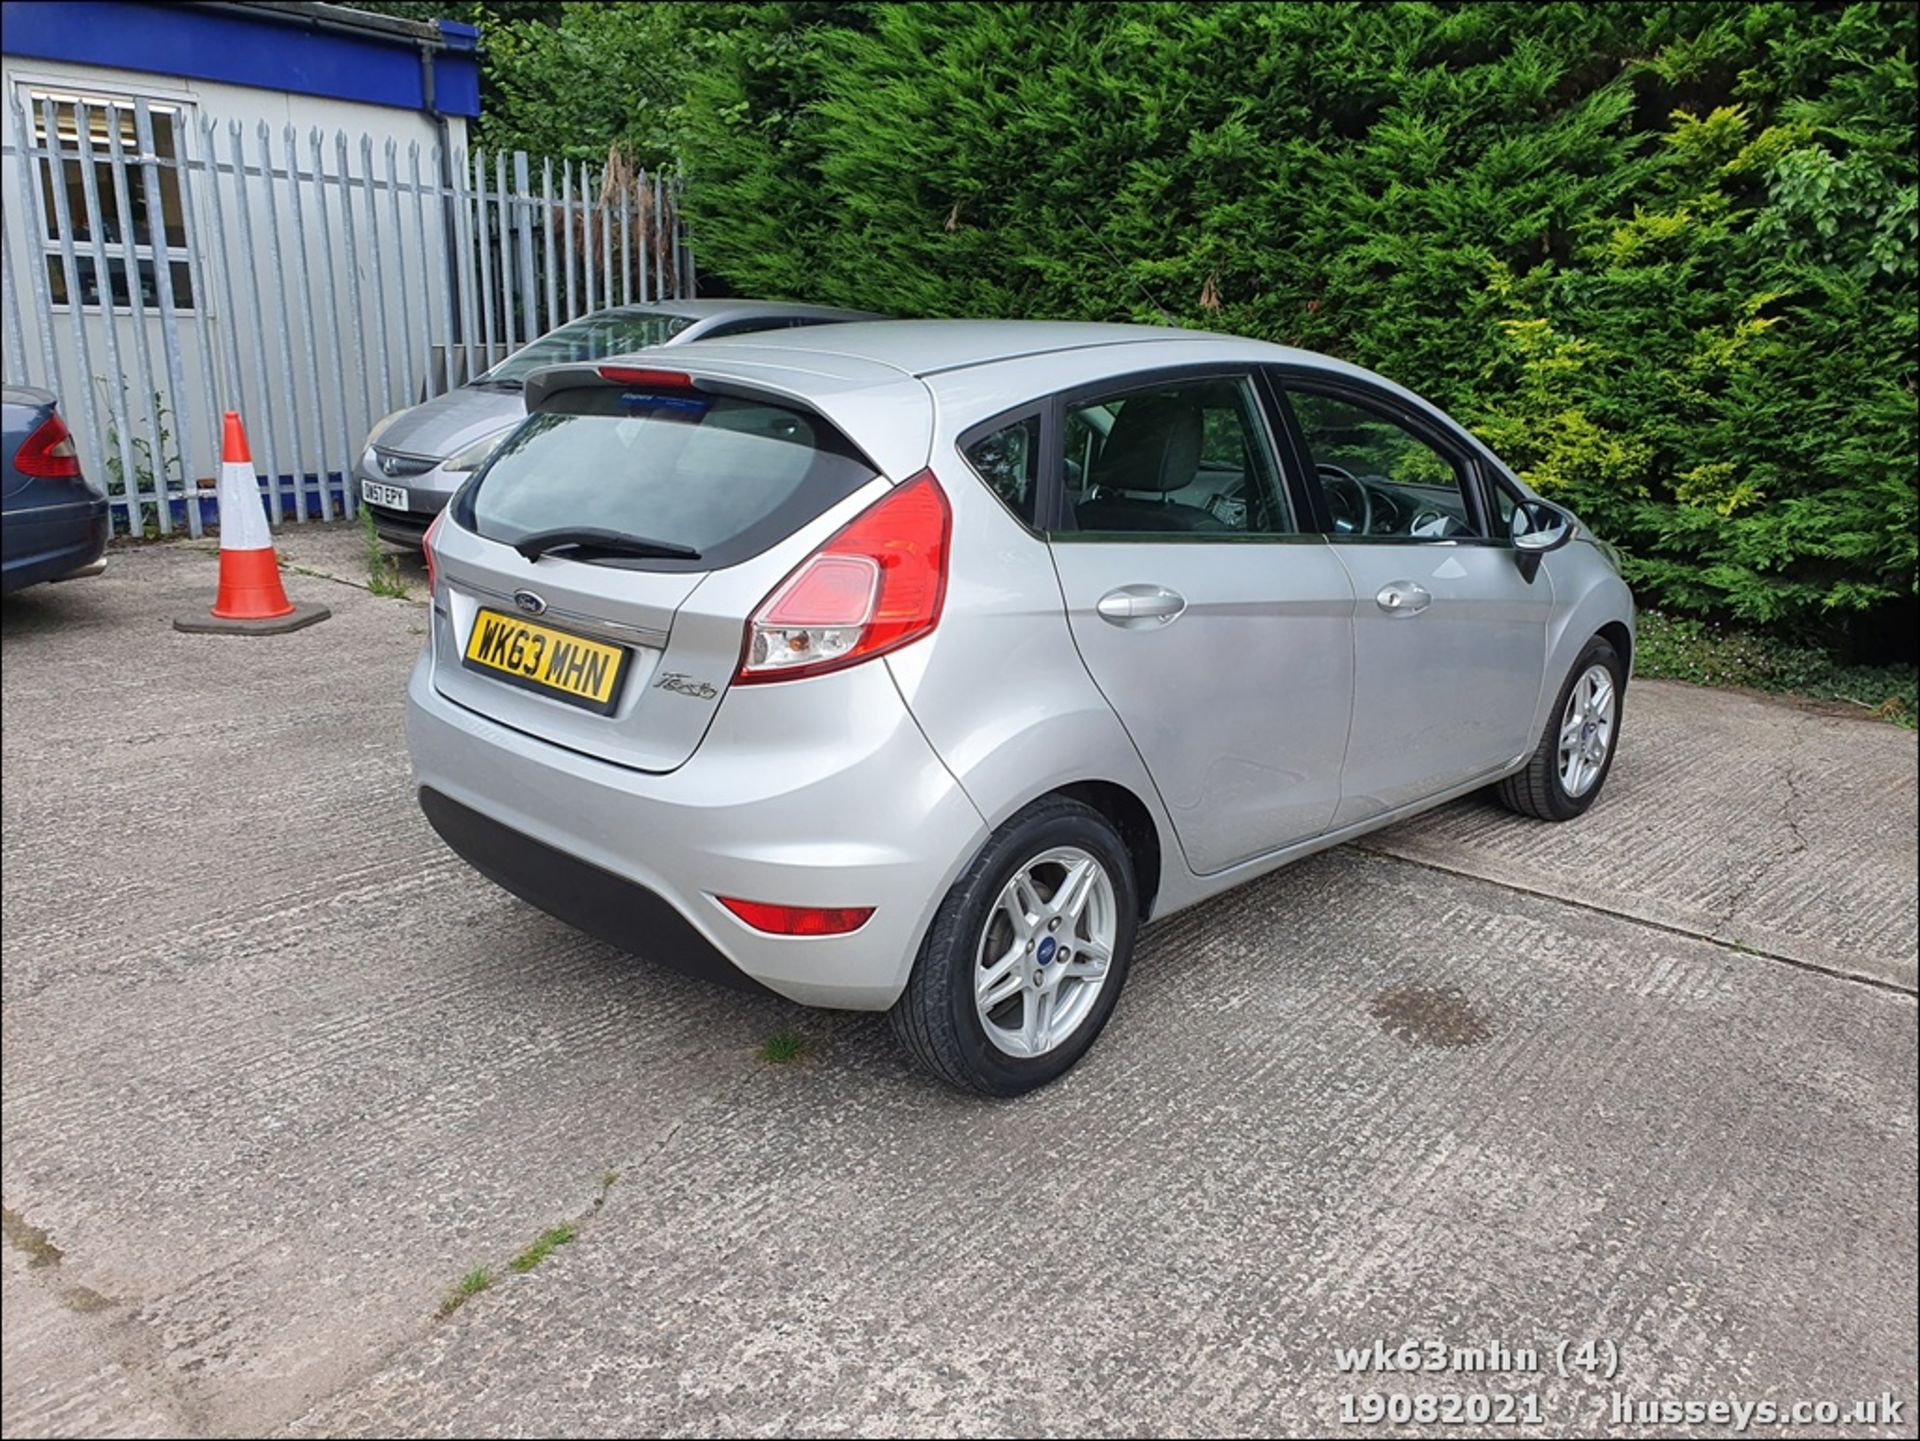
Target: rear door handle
{"points": [[1403, 597], [1135, 607]]}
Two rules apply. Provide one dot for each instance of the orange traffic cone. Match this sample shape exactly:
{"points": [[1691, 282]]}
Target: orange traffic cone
{"points": [[251, 600], [250, 586]]}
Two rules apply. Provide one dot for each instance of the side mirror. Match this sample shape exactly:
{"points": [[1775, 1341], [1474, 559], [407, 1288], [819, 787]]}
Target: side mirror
{"points": [[1538, 528]]}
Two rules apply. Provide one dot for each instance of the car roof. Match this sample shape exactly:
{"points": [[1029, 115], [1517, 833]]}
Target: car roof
{"points": [[872, 374], [921, 348], [925, 347]]}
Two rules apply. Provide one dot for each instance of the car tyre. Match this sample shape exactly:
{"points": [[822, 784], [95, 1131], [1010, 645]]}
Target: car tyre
{"points": [[943, 1017], [1541, 788]]}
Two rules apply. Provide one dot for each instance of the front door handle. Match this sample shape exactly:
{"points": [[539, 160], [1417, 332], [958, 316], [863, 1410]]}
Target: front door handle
{"points": [[1403, 597], [1135, 607]]}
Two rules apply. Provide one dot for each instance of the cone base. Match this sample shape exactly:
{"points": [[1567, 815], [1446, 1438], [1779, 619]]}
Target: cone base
{"points": [[206, 623], [250, 586]]}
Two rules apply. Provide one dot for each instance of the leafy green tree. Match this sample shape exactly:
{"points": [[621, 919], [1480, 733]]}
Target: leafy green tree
{"points": [[595, 76], [568, 80]]}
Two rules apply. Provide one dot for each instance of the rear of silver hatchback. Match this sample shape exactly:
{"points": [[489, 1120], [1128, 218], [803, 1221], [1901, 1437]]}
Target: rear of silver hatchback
{"points": [[649, 706]]}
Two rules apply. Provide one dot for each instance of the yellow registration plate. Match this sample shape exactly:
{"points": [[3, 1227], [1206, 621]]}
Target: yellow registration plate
{"points": [[551, 662]]}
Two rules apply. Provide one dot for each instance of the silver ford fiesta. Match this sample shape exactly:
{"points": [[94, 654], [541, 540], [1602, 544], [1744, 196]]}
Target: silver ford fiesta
{"points": [[915, 665], [417, 457]]}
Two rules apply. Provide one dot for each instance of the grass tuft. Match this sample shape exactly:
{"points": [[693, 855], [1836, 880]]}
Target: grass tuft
{"points": [[608, 1180], [31, 1241], [785, 1048], [471, 1285], [383, 571], [549, 1240]]}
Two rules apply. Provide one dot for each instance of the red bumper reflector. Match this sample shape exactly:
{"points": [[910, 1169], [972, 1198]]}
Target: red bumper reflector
{"points": [[799, 920]]}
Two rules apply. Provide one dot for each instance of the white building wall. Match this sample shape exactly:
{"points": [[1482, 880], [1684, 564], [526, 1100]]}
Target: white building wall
{"points": [[307, 367]]}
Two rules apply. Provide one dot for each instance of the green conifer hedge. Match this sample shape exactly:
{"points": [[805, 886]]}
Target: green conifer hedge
{"points": [[1662, 257]]}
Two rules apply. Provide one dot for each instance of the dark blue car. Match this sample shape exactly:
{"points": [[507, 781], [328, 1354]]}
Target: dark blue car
{"points": [[53, 520]]}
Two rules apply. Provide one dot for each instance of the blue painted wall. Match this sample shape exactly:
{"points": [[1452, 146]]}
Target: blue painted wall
{"points": [[240, 48]]}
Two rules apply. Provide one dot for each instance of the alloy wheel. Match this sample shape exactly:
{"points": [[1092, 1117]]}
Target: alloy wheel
{"points": [[1045, 952], [1586, 730]]}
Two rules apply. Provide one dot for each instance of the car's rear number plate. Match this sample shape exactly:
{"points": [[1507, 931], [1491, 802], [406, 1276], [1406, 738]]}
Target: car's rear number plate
{"points": [[548, 662], [393, 497]]}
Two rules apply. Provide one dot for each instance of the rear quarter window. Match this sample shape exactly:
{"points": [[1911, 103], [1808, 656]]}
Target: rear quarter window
{"points": [[1008, 460], [726, 476]]}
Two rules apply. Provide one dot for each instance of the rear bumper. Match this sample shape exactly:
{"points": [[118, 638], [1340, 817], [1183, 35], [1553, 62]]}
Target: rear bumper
{"points": [[816, 793], [53, 543], [618, 911]]}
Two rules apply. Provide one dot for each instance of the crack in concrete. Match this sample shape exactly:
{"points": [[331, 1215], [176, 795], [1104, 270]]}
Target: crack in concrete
{"points": [[1738, 947], [124, 1334], [581, 1221], [1788, 815], [410, 598]]}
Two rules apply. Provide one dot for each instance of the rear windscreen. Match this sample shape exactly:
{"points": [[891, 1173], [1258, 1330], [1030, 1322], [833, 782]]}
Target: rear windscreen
{"points": [[591, 337], [727, 477]]}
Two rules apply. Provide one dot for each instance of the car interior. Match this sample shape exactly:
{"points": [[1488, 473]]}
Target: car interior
{"points": [[1174, 460], [1379, 479], [1184, 460]]}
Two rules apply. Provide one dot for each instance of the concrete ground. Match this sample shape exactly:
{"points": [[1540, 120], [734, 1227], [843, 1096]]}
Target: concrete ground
{"points": [[279, 1071]]}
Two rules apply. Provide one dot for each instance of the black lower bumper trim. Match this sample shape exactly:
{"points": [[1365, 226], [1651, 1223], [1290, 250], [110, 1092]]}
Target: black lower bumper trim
{"points": [[616, 910], [399, 526]]}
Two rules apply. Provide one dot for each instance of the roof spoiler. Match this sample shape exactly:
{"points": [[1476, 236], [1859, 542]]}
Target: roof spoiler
{"points": [[554, 380]]}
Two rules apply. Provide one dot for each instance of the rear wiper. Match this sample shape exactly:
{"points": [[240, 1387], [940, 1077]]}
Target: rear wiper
{"points": [[591, 537]]}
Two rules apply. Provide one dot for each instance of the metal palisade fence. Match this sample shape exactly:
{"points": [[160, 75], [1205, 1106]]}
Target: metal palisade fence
{"points": [[158, 273]]}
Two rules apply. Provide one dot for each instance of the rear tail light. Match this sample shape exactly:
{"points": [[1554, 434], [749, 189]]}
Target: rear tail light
{"points": [[426, 549], [875, 586], [48, 452], [799, 920]]}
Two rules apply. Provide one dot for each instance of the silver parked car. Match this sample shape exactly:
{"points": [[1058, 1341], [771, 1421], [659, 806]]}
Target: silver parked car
{"points": [[913, 666], [415, 458]]}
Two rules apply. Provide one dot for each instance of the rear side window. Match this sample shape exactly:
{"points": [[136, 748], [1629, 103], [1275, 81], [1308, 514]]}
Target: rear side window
{"points": [[1188, 458], [724, 476]]}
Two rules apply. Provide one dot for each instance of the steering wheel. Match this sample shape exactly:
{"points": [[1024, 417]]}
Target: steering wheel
{"points": [[1348, 502]]}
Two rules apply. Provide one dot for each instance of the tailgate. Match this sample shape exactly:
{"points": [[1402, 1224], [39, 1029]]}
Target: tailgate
{"points": [[595, 579]]}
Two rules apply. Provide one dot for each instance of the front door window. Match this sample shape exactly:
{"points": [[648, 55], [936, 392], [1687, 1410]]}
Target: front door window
{"points": [[1379, 479]]}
